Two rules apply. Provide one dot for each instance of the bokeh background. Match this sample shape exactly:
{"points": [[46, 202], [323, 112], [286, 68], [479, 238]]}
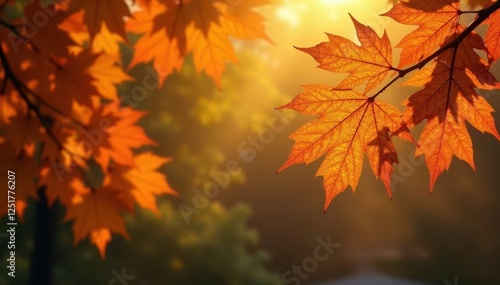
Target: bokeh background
{"points": [[261, 224]]}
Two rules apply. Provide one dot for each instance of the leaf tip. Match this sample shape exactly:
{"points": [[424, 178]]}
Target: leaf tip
{"points": [[354, 19], [301, 49]]}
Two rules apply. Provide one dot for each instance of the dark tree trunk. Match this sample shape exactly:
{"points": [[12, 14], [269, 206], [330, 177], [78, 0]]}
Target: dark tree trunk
{"points": [[42, 257]]}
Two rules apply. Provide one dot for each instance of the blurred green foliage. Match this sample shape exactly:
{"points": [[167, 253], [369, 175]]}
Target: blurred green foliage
{"points": [[215, 248]]}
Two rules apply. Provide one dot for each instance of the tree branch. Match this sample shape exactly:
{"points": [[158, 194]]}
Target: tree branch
{"points": [[9, 75], [482, 15], [52, 108], [39, 98]]}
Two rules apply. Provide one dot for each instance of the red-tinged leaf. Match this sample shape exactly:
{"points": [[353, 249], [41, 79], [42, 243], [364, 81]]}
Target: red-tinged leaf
{"points": [[141, 183], [350, 124], [25, 169], [447, 100], [23, 131], [70, 82], [97, 13], [45, 33], [370, 62], [96, 214], [81, 77], [25, 62], [10, 106]]}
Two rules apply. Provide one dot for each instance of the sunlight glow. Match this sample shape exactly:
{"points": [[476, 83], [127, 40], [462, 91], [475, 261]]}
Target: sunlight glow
{"points": [[301, 17], [334, 2], [291, 13], [295, 13]]}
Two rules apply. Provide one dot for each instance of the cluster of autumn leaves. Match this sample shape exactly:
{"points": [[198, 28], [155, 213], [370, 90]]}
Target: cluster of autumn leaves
{"points": [[61, 117], [440, 56]]}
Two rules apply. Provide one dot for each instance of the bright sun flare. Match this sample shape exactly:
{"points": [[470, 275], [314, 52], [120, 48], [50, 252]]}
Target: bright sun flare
{"points": [[332, 15], [294, 12]]}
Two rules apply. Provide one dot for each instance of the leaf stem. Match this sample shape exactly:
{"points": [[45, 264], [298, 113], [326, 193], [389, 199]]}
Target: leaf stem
{"points": [[468, 12]]}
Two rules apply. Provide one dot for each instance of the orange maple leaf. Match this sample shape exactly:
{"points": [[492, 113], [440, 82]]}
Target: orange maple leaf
{"points": [[141, 183], [112, 133], [492, 37], [211, 50], [70, 150], [436, 20], [96, 213], [62, 183], [107, 74], [240, 21], [78, 78], [370, 62], [350, 124], [447, 100], [105, 41], [172, 29], [156, 45], [97, 13]]}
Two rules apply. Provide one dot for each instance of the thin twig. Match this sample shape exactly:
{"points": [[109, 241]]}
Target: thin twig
{"points": [[52, 108], [51, 60], [482, 15], [13, 29]]}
